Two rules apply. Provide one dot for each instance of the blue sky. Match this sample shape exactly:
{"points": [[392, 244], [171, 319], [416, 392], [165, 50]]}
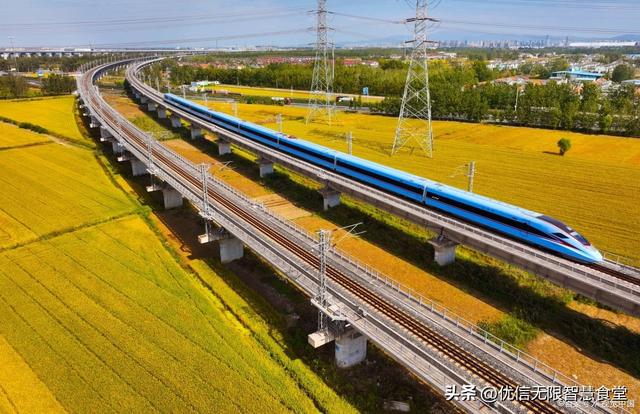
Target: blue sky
{"points": [[282, 22]]}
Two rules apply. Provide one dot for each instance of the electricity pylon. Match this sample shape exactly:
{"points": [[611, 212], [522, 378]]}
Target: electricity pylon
{"points": [[414, 122], [321, 98]]}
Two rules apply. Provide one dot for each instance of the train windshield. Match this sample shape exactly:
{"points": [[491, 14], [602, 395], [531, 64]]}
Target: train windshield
{"points": [[566, 229]]}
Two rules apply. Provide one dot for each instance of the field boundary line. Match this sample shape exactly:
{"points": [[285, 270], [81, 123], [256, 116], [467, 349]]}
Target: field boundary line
{"points": [[52, 135], [71, 229], [32, 144]]}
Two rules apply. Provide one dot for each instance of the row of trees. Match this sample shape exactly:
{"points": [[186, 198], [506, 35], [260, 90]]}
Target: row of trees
{"points": [[32, 64], [461, 91], [12, 86], [386, 80], [58, 84], [556, 106]]}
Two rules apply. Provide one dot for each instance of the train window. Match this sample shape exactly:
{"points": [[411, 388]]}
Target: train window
{"points": [[382, 178], [490, 215], [580, 238], [560, 235]]}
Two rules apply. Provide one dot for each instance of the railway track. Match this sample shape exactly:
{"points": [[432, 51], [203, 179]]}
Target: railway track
{"points": [[616, 273], [458, 355]]}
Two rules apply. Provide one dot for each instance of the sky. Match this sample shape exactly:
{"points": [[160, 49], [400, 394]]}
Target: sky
{"points": [[241, 23]]}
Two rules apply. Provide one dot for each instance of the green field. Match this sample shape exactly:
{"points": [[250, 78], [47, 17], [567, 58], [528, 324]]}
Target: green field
{"points": [[595, 188], [57, 115]]}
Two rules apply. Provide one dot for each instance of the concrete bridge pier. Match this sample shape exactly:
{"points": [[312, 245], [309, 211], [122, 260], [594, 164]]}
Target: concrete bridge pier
{"points": [[105, 135], [143, 99], [196, 132], [224, 147], [116, 147], [162, 113], [138, 167], [330, 198], [231, 248], [351, 348], [444, 250], [266, 167], [152, 106], [171, 197], [94, 123], [176, 122]]}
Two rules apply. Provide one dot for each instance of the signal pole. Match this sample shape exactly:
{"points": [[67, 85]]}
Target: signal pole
{"points": [[414, 122], [320, 101], [324, 243], [350, 142]]}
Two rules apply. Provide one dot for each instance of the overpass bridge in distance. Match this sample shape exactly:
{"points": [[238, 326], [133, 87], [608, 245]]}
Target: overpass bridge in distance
{"points": [[434, 344], [611, 284]]}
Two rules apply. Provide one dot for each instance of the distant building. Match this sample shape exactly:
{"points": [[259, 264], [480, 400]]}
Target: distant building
{"points": [[576, 75]]}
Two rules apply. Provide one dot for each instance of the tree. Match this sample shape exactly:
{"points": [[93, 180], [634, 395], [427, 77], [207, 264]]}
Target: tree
{"points": [[622, 73], [483, 73], [57, 84], [13, 86], [564, 145]]}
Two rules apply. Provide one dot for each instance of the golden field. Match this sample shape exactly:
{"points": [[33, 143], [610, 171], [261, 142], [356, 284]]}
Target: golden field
{"points": [[12, 136], [99, 316], [51, 188], [104, 319], [595, 188], [281, 93], [55, 114]]}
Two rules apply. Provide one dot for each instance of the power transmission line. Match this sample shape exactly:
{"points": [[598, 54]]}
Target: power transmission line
{"points": [[414, 122], [321, 95]]}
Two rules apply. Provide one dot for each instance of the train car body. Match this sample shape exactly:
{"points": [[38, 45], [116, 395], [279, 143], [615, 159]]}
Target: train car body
{"points": [[515, 222]]}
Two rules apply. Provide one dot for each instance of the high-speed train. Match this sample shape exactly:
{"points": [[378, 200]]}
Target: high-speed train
{"points": [[523, 225]]}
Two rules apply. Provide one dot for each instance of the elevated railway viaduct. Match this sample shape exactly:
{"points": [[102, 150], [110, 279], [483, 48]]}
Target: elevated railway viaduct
{"points": [[437, 346]]}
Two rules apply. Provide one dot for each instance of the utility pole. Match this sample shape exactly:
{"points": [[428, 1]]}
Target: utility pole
{"points": [[204, 169], [321, 104], [350, 142], [234, 107], [414, 122], [324, 237], [471, 173], [15, 56], [279, 122]]}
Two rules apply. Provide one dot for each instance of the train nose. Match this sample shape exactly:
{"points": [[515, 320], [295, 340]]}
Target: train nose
{"points": [[596, 256]]}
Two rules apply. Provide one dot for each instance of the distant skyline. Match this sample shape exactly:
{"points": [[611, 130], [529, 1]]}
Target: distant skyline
{"points": [[225, 23]]}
